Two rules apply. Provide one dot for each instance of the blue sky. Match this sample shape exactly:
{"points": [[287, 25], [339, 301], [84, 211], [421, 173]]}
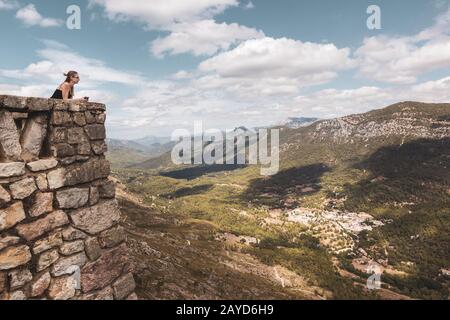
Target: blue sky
{"points": [[160, 65]]}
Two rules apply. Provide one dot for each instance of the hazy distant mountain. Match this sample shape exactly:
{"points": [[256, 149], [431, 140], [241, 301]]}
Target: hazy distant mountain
{"points": [[295, 123], [152, 141], [124, 153]]}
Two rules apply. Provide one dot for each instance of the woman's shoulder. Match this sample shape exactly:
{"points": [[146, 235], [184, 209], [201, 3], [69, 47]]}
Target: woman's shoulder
{"points": [[65, 85]]}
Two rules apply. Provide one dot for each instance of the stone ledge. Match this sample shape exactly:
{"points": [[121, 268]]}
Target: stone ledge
{"points": [[33, 104]]}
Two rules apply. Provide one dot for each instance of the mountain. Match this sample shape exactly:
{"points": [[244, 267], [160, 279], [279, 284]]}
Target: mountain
{"points": [[358, 193], [125, 153], [153, 141], [295, 123]]}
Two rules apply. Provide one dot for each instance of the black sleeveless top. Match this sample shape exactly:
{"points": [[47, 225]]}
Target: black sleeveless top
{"points": [[59, 95]]}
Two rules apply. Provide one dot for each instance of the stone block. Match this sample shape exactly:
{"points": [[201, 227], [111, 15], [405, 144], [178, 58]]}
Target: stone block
{"points": [[42, 165], [98, 218], [72, 198], [19, 278], [102, 272], [39, 227], [14, 257], [43, 203], [46, 259], [112, 237], [124, 286], [41, 284], [9, 136], [33, 136], [23, 188], [95, 131], [12, 169], [52, 241], [11, 216]]}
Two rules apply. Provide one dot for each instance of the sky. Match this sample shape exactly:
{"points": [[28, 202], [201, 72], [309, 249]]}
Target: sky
{"points": [[161, 65]]}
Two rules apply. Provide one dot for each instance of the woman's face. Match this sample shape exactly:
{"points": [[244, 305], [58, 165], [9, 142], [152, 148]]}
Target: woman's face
{"points": [[75, 78]]}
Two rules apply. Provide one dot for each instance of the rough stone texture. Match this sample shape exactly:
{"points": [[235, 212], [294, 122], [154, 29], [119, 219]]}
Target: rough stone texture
{"points": [[61, 118], [33, 136], [64, 265], [41, 182], [124, 286], [99, 147], [42, 165], [13, 257], [56, 178], [37, 228], [52, 156], [62, 150], [112, 237], [58, 135], [95, 275], [107, 189], [69, 248], [13, 102], [97, 218], [72, 198], [71, 234], [132, 296], [23, 188], [86, 172], [43, 203], [100, 118], [94, 196], [41, 284], [95, 131], [76, 135], [79, 119], [84, 148], [17, 295], [12, 169], [92, 248], [11, 216], [18, 278], [5, 197], [9, 136], [8, 241], [4, 284], [47, 243], [104, 294], [62, 288], [46, 259]]}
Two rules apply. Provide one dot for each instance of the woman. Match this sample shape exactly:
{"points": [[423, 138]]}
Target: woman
{"points": [[66, 90]]}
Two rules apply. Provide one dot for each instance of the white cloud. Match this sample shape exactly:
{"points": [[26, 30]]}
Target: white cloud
{"points": [[31, 17], [205, 37], [432, 91], [189, 24], [162, 13], [58, 59], [402, 59], [330, 103], [249, 5], [8, 4], [273, 66], [40, 78]]}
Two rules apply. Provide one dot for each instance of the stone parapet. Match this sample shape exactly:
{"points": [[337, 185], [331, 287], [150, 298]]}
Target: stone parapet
{"points": [[60, 236]]}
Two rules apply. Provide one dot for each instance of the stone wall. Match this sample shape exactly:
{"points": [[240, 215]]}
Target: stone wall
{"points": [[60, 236]]}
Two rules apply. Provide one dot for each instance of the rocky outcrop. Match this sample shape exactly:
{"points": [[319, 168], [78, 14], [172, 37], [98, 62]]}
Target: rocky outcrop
{"points": [[407, 120], [59, 220]]}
